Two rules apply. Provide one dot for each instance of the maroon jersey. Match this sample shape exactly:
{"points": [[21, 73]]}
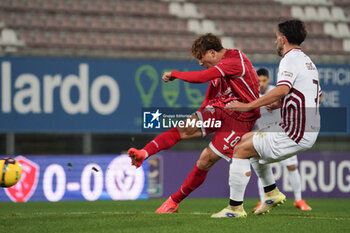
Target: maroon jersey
{"points": [[233, 78]]}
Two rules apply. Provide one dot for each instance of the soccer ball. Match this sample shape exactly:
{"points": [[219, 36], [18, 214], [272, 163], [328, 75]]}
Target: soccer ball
{"points": [[10, 172]]}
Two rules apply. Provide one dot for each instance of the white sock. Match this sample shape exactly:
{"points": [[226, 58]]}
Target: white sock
{"points": [[295, 182], [239, 178], [261, 191], [263, 171]]}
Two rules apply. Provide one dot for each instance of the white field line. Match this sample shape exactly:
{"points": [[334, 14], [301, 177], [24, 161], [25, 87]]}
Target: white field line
{"points": [[193, 213]]}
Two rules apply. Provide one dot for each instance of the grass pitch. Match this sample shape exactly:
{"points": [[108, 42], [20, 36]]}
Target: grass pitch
{"points": [[328, 215]]}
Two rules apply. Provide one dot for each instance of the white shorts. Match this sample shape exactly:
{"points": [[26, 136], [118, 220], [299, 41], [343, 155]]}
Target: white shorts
{"points": [[273, 145], [290, 161]]}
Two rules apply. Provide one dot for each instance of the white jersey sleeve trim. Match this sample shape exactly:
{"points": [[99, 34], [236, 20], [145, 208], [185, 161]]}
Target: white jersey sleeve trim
{"points": [[284, 82], [250, 90], [222, 72], [243, 73], [242, 61]]}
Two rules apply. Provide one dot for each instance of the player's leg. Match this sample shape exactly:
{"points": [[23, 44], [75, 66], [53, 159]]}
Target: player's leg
{"points": [[239, 176], [291, 164], [261, 194], [196, 177], [246, 150], [295, 181], [164, 141], [274, 146], [272, 196]]}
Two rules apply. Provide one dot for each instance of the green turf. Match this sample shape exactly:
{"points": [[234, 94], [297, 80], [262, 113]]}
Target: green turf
{"points": [[328, 215]]}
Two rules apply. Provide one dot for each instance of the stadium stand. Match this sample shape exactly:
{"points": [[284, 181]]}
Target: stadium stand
{"points": [[165, 29]]}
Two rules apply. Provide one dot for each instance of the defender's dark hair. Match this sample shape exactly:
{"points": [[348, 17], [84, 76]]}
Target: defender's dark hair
{"points": [[204, 43], [294, 30], [263, 71]]}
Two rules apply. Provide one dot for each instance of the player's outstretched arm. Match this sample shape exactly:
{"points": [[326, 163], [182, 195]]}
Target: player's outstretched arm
{"points": [[274, 95], [197, 76]]}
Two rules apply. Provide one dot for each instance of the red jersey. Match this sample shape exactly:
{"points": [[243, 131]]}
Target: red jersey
{"points": [[233, 78]]}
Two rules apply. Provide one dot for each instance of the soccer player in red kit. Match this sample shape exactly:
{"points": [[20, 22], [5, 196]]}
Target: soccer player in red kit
{"points": [[232, 78]]}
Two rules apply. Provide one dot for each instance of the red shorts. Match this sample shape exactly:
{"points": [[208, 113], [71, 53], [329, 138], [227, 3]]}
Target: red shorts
{"points": [[228, 135]]}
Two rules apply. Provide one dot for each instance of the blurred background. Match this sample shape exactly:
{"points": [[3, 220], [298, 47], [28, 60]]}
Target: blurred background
{"points": [[75, 74]]}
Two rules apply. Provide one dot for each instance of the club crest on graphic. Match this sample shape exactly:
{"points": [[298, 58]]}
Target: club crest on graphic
{"points": [[26, 186], [123, 181]]}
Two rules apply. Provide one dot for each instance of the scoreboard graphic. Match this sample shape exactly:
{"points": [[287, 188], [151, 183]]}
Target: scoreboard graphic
{"points": [[63, 178]]}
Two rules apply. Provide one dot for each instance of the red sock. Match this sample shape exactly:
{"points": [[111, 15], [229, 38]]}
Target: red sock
{"points": [[193, 181], [163, 141]]}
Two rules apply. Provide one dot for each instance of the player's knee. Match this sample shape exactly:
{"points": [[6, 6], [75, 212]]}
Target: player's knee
{"points": [[191, 131], [186, 133], [241, 151], [245, 148], [205, 163], [207, 159], [238, 151]]}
